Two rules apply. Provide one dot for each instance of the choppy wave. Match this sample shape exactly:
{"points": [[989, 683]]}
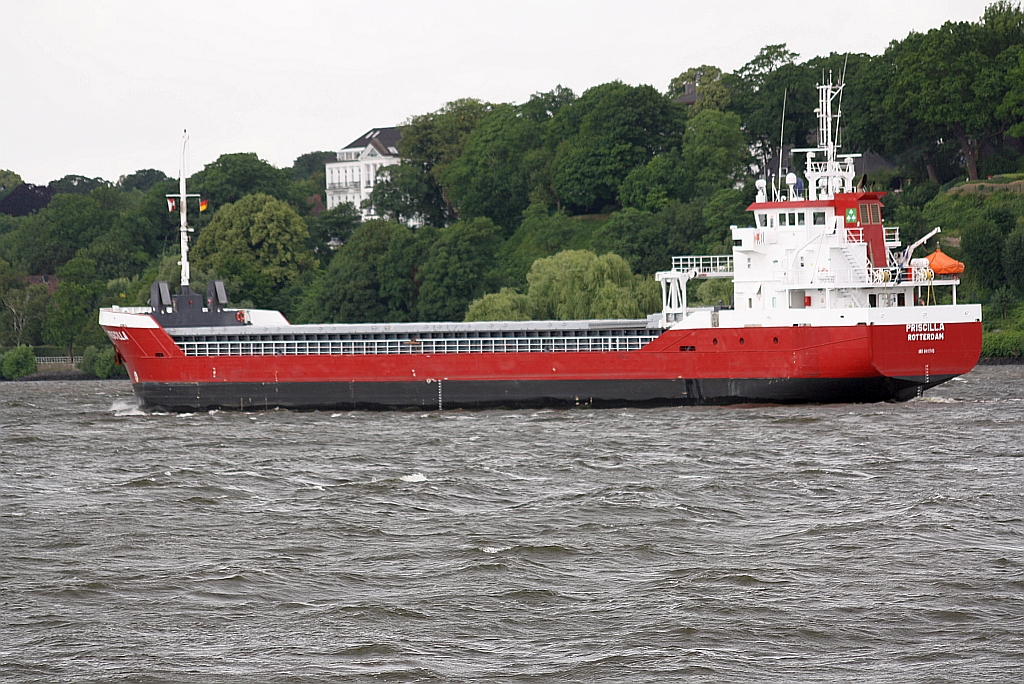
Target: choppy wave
{"points": [[876, 542]]}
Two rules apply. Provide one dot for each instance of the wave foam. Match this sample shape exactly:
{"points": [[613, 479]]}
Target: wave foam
{"points": [[124, 407], [415, 477], [495, 549]]}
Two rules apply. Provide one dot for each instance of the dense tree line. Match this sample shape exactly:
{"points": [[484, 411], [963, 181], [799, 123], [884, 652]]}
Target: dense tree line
{"points": [[561, 206]]}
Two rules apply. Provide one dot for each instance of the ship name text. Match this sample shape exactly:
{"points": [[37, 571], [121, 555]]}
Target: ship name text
{"points": [[919, 332]]}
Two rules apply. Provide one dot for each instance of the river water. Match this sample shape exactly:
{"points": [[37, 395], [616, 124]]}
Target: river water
{"points": [[878, 542]]}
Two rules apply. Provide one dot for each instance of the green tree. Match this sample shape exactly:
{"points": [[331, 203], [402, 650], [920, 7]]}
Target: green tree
{"points": [[456, 269], [954, 78], [8, 181], [18, 363], [712, 93], [77, 185], [1001, 302], [760, 88], [370, 278], [116, 253], [1013, 260], [504, 305], [712, 292], [48, 239], [334, 226], [649, 240], [489, 178], [406, 193], [577, 284], [312, 165], [727, 207], [605, 134], [233, 176], [101, 363], [259, 242], [22, 312], [650, 187], [982, 244], [714, 153], [714, 156], [542, 106], [541, 234], [142, 180], [413, 190], [72, 318]]}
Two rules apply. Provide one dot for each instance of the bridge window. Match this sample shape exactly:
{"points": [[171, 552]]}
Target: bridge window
{"points": [[800, 218], [762, 219], [782, 220], [819, 218]]}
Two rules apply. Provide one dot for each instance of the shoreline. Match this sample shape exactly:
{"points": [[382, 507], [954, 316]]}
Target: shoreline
{"points": [[60, 375], [1001, 361]]}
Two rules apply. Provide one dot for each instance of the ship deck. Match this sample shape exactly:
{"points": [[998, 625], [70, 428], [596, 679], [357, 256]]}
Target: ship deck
{"points": [[417, 338]]}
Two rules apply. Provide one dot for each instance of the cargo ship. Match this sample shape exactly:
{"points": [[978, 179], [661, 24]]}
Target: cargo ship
{"points": [[828, 307]]}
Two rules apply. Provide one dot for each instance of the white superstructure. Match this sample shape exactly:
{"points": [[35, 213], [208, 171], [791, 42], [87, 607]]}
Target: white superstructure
{"points": [[823, 248]]}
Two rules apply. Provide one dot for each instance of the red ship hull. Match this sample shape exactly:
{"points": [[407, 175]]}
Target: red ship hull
{"points": [[798, 364]]}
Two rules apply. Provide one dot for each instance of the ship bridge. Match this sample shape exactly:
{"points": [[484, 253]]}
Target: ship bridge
{"points": [[817, 245]]}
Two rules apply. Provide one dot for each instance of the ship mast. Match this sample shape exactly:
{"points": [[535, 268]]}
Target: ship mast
{"points": [[832, 175], [183, 212]]}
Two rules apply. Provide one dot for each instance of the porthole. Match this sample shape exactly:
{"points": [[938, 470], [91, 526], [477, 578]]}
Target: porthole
{"points": [[714, 341], [775, 340], [742, 341]]}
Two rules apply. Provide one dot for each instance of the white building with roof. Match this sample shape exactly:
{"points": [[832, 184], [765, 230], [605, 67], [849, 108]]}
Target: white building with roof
{"points": [[351, 178]]}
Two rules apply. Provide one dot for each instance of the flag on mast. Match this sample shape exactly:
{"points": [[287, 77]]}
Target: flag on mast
{"points": [[172, 204], [204, 205]]}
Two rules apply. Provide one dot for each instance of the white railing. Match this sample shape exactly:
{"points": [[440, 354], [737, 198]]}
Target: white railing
{"points": [[853, 234], [856, 234], [57, 359], [483, 345], [867, 276], [719, 265]]}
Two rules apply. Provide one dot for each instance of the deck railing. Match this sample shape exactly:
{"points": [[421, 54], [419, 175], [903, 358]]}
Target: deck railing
{"points": [[705, 266], [482, 345]]}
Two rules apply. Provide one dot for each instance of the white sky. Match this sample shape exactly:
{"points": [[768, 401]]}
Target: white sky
{"points": [[104, 88]]}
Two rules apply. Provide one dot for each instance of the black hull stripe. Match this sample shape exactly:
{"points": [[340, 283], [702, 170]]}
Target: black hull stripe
{"points": [[526, 394]]}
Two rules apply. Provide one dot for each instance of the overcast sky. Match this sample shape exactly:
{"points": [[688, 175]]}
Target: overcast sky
{"points": [[105, 88]]}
